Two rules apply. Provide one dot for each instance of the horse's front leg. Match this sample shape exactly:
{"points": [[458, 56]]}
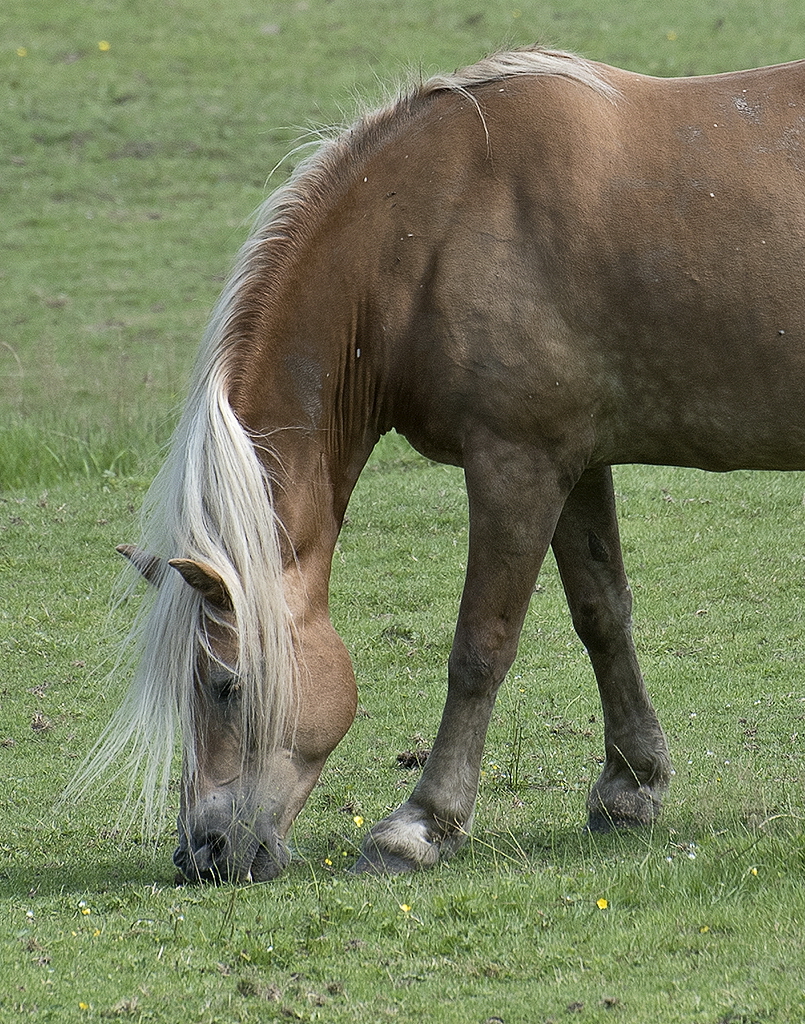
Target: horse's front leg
{"points": [[514, 503], [588, 552]]}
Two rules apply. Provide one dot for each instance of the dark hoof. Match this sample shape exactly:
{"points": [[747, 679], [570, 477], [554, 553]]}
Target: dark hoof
{"points": [[600, 822], [632, 810]]}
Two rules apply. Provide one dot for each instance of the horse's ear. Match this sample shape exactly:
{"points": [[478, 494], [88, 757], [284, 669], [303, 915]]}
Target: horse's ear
{"points": [[151, 567], [206, 580]]}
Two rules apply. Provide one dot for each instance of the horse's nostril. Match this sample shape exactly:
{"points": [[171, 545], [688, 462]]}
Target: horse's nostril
{"points": [[214, 852], [208, 856], [216, 844]]}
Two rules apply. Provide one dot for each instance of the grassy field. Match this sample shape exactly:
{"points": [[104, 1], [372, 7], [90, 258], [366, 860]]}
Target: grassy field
{"points": [[137, 139]]}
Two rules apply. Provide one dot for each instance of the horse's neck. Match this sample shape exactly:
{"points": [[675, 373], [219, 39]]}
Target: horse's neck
{"points": [[313, 439]]}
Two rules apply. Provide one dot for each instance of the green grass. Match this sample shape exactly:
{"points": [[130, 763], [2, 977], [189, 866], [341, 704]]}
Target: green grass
{"points": [[128, 177], [708, 907]]}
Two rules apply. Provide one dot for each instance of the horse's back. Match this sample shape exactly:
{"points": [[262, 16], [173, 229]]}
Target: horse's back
{"points": [[627, 271]]}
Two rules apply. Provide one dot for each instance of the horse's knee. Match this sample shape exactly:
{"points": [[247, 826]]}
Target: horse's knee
{"points": [[477, 671], [602, 620]]}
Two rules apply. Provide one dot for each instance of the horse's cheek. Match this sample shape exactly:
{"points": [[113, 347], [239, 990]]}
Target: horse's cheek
{"points": [[328, 694]]}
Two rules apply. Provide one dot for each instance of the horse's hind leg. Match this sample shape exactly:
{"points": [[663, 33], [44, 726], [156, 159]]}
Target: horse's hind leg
{"points": [[514, 504], [588, 552]]}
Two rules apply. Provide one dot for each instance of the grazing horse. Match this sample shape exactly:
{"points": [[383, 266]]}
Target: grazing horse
{"points": [[534, 269]]}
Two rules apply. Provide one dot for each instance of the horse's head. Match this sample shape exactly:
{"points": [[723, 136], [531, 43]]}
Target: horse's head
{"points": [[249, 764]]}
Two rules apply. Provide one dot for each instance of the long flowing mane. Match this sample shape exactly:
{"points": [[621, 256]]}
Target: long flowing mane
{"points": [[212, 501]]}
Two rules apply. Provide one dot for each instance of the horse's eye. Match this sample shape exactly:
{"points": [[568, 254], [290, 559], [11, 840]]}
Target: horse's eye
{"points": [[223, 685]]}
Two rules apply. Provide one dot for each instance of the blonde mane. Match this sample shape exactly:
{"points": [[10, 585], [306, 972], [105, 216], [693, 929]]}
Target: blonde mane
{"points": [[211, 501], [530, 61]]}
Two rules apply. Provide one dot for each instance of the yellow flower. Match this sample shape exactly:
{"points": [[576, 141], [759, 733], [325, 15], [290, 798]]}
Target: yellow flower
{"points": [[705, 928], [96, 933], [328, 862], [83, 1006], [602, 904], [21, 51], [358, 820], [405, 908], [753, 871], [104, 46], [85, 911]]}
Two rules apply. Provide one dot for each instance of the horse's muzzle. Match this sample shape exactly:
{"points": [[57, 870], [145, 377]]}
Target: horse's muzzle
{"points": [[236, 854]]}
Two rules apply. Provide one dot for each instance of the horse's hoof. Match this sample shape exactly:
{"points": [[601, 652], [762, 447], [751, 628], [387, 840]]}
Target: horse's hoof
{"points": [[600, 822], [632, 810]]}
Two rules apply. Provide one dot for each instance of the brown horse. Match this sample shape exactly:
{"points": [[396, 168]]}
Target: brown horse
{"points": [[534, 269]]}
